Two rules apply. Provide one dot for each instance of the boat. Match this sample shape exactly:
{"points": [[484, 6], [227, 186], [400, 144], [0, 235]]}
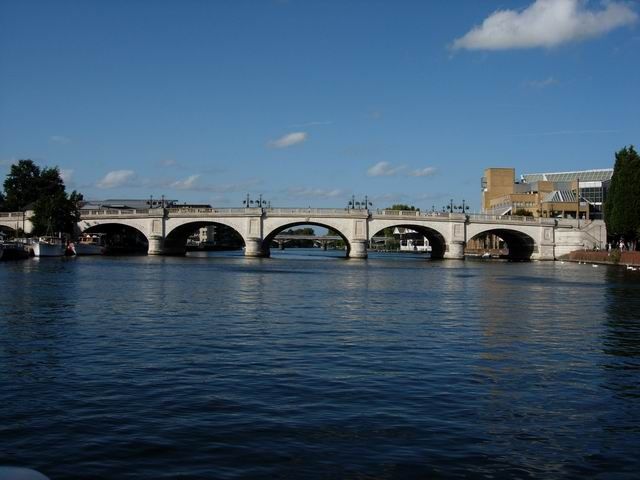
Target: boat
{"points": [[48, 247], [91, 244], [13, 251]]}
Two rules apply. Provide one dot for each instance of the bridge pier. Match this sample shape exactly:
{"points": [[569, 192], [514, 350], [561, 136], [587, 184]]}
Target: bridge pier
{"points": [[455, 250], [156, 245], [358, 249], [253, 248]]}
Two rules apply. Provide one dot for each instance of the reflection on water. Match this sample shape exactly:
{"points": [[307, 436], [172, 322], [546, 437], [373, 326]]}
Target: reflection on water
{"points": [[308, 364]]}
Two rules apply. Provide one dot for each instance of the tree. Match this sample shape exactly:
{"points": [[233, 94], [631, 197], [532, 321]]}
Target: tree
{"points": [[2, 208], [56, 213], [523, 212], [22, 185], [402, 206], [43, 190], [622, 206]]}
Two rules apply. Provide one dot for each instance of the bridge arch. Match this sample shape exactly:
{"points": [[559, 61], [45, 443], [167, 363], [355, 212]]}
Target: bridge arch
{"points": [[6, 229], [436, 238], [520, 245], [269, 236], [120, 237], [176, 238]]}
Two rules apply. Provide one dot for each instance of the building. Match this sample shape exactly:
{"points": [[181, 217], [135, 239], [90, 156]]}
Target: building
{"points": [[557, 194], [127, 204]]}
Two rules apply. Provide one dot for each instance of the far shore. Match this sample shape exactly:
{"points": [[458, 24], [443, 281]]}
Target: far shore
{"points": [[603, 257]]}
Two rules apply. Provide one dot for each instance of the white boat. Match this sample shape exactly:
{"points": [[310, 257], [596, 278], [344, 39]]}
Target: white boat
{"points": [[48, 247], [91, 244]]}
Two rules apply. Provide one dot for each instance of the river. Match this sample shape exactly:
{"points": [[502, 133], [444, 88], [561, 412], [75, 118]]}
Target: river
{"points": [[308, 365]]}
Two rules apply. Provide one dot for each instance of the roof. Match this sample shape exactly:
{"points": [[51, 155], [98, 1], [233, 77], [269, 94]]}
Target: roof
{"points": [[560, 196], [125, 203], [598, 175]]}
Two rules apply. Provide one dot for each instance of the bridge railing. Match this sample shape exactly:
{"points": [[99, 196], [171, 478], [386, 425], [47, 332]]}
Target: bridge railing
{"points": [[210, 211], [108, 212], [411, 213], [480, 217], [315, 211], [11, 214]]}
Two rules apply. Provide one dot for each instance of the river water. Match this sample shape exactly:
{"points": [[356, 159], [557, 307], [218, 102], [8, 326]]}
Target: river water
{"points": [[305, 365]]}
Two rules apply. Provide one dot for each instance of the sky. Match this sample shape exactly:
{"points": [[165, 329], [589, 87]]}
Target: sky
{"points": [[309, 102]]}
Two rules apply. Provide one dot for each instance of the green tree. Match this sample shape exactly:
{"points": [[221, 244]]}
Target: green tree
{"points": [[56, 213], [2, 207], [622, 207], [523, 212], [43, 190], [22, 185], [402, 206]]}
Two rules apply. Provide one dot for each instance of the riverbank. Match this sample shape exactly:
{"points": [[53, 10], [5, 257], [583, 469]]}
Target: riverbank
{"points": [[603, 257]]}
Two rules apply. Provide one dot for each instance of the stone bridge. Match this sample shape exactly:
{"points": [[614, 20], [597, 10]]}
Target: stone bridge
{"points": [[167, 229]]}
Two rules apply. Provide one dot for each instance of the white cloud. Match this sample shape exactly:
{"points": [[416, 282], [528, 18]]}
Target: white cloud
{"points": [[547, 82], [186, 184], [384, 169], [315, 192], [59, 139], [170, 162], [545, 23], [67, 176], [424, 172], [116, 178], [289, 140]]}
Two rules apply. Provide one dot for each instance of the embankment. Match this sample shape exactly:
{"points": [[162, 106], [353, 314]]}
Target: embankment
{"points": [[610, 258]]}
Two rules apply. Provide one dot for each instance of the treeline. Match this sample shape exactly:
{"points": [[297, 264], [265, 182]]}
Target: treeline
{"points": [[41, 190], [622, 207], [299, 243]]}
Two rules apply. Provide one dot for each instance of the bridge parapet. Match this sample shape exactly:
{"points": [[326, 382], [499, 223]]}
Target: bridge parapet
{"points": [[11, 215], [510, 219], [112, 211]]}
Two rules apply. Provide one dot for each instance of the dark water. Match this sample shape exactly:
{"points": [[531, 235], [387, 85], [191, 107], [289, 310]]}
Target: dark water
{"points": [[305, 366]]}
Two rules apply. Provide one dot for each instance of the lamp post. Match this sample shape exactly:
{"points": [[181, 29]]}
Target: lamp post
{"points": [[248, 203], [359, 204], [578, 199], [452, 208]]}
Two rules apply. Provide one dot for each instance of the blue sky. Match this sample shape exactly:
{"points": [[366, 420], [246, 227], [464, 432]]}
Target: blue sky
{"points": [[309, 102]]}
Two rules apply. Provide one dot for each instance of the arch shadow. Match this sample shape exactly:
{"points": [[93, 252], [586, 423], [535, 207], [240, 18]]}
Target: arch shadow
{"points": [[7, 230], [520, 246], [268, 240], [121, 239], [175, 243], [436, 240]]}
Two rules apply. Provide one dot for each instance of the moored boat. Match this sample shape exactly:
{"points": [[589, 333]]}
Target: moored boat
{"points": [[48, 247], [91, 244], [13, 251]]}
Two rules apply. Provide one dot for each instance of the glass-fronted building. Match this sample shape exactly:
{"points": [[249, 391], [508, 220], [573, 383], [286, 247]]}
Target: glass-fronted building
{"points": [[553, 194]]}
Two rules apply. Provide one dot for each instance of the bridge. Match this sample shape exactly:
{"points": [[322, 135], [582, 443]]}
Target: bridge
{"points": [[166, 229]]}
